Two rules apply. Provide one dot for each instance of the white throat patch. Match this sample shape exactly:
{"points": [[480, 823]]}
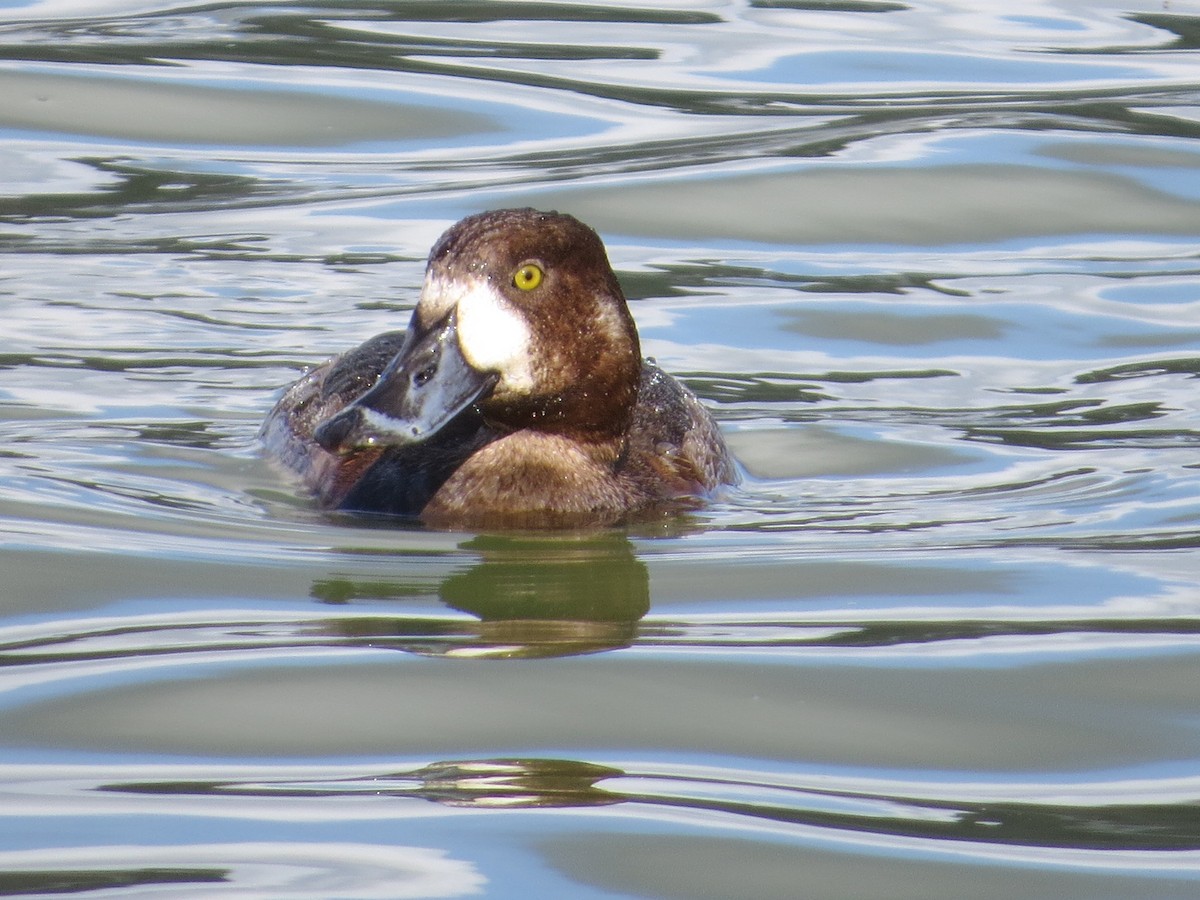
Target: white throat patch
{"points": [[492, 335]]}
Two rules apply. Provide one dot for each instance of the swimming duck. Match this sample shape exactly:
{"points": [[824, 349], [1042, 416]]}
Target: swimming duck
{"points": [[517, 396]]}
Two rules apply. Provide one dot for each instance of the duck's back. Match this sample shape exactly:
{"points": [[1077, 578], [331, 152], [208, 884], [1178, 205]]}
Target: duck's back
{"points": [[676, 450]]}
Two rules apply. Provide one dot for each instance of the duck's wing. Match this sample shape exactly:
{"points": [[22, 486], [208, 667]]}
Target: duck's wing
{"points": [[351, 374], [287, 433], [395, 480]]}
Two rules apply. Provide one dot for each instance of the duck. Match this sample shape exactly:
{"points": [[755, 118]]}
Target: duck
{"points": [[517, 396]]}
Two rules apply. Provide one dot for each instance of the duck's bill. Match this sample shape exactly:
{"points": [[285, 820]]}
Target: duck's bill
{"points": [[420, 392]]}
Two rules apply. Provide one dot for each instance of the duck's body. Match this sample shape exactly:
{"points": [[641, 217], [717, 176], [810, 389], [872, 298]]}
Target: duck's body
{"points": [[517, 397]]}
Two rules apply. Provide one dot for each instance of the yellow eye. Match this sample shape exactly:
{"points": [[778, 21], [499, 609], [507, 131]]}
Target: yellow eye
{"points": [[527, 277]]}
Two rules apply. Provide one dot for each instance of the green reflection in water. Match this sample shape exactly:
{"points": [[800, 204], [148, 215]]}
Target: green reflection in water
{"points": [[529, 783], [534, 596]]}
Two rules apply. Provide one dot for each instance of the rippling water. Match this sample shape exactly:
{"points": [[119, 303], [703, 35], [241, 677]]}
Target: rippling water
{"points": [[933, 265]]}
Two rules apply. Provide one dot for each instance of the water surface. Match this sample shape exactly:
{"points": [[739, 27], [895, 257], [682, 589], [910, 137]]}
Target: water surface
{"points": [[932, 265]]}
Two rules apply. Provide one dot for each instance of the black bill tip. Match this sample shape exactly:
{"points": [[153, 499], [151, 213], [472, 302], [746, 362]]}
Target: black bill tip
{"points": [[332, 435]]}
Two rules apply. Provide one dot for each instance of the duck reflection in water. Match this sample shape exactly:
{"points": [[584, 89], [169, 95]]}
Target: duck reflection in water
{"points": [[533, 595]]}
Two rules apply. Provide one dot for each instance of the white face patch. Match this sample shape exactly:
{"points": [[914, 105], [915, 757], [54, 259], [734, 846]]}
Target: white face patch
{"points": [[492, 335]]}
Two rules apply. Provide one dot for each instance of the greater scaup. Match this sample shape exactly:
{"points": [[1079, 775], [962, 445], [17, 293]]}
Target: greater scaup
{"points": [[518, 396]]}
